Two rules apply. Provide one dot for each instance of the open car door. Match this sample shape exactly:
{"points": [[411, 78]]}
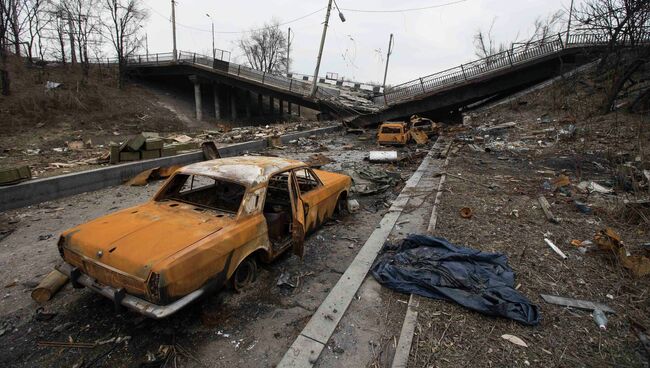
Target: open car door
{"points": [[298, 217]]}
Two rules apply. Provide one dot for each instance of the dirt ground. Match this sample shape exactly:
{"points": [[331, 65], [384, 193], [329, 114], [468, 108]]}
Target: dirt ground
{"points": [[500, 174], [250, 329], [38, 124]]}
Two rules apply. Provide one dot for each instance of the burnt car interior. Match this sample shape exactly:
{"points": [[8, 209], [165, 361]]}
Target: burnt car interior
{"points": [[391, 130], [277, 209], [204, 192]]}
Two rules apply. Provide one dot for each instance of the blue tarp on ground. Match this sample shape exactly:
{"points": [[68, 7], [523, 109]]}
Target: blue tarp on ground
{"points": [[435, 268]]}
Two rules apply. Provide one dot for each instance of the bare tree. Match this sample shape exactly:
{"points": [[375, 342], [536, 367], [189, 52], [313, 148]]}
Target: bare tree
{"points": [[84, 18], [265, 49], [121, 25], [625, 27], [485, 46]]}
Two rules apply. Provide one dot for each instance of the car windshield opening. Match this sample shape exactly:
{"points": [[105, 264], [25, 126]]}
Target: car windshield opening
{"points": [[204, 191]]}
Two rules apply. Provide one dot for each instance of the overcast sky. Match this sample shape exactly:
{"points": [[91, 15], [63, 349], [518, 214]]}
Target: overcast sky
{"points": [[426, 41]]}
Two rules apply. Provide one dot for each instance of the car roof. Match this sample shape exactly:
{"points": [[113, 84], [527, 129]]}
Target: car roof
{"points": [[246, 170]]}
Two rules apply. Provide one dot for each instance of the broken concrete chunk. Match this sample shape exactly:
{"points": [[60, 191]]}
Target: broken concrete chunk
{"points": [[135, 143], [153, 144], [14, 175]]}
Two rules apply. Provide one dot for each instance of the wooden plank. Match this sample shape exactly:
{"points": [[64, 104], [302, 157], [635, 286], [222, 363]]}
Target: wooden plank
{"points": [[546, 207], [576, 303]]}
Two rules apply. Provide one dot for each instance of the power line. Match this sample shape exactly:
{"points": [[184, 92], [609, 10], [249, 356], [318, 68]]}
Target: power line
{"points": [[403, 10], [235, 32]]}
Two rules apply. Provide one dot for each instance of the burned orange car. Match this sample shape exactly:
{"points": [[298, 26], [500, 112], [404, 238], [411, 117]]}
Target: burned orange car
{"points": [[208, 225]]}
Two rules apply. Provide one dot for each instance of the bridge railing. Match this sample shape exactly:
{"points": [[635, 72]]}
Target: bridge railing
{"points": [[500, 61], [273, 80]]}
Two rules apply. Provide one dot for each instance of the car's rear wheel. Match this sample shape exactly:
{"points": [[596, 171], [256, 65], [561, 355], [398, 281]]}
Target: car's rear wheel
{"points": [[245, 274], [342, 205]]}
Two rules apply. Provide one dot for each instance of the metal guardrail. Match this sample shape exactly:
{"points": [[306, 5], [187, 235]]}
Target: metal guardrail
{"points": [[501, 61]]}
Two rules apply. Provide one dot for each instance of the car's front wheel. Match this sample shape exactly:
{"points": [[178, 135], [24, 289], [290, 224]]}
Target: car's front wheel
{"points": [[245, 274]]}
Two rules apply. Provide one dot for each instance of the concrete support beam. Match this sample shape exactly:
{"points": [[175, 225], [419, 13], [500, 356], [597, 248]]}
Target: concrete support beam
{"points": [[248, 105], [217, 107], [197, 97], [260, 105], [233, 104]]}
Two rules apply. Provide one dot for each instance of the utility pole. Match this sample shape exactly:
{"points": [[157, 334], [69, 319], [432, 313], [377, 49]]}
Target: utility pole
{"points": [[390, 51], [288, 50], [174, 27], [322, 43], [214, 51], [568, 27]]}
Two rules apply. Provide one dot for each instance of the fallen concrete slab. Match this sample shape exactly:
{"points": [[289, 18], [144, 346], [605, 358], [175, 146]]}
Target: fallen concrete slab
{"points": [[47, 189]]}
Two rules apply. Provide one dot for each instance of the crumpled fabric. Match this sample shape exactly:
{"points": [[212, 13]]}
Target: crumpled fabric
{"points": [[433, 267]]}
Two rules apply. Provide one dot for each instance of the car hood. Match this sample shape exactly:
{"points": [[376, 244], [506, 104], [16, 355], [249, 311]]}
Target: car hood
{"points": [[134, 240]]}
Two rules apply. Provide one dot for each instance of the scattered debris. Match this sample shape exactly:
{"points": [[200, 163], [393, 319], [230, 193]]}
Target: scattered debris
{"points": [[50, 285], [609, 240], [42, 315], [156, 173], [546, 207], [353, 205], [515, 340], [555, 248], [576, 303], [15, 175], [49, 85], [600, 318], [318, 160], [382, 156], [593, 187], [210, 150]]}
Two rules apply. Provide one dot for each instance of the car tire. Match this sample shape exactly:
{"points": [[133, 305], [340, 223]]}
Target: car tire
{"points": [[342, 206], [245, 274]]}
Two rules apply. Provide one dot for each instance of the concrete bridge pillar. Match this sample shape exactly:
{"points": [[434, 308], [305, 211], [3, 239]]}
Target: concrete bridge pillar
{"points": [[271, 106], [233, 104], [248, 105], [281, 105], [197, 97], [260, 105], [289, 108], [217, 107]]}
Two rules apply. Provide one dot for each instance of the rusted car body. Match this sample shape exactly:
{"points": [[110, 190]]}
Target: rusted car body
{"points": [[393, 133], [208, 221], [423, 124]]}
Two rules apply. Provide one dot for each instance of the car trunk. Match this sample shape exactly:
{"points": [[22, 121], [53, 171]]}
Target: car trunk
{"points": [[132, 241]]}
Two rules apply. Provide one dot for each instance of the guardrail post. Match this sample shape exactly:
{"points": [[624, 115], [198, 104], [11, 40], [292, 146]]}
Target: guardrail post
{"points": [[463, 69], [422, 84]]}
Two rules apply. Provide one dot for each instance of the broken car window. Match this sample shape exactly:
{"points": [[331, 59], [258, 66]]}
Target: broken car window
{"points": [[204, 191], [391, 130], [306, 180]]}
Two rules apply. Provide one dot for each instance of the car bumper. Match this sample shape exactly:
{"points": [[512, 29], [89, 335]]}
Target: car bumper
{"points": [[120, 298]]}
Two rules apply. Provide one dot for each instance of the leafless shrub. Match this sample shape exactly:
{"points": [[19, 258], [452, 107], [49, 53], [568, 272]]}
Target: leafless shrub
{"points": [[265, 49]]}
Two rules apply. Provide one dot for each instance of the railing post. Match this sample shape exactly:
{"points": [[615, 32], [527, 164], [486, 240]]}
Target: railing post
{"points": [[238, 69], [422, 84], [263, 76], [194, 58], [463, 69], [156, 59], [509, 56], [559, 37], [290, 84]]}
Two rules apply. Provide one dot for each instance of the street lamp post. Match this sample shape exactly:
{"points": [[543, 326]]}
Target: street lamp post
{"points": [[174, 28], [322, 44], [214, 52]]}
